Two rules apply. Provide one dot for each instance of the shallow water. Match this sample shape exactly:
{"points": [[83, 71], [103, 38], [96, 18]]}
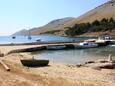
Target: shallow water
{"points": [[77, 55]]}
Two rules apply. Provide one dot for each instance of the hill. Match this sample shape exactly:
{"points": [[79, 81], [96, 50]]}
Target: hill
{"points": [[106, 10], [57, 27], [21, 32], [54, 26]]}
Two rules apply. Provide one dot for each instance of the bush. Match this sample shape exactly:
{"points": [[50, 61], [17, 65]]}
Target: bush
{"points": [[96, 26]]}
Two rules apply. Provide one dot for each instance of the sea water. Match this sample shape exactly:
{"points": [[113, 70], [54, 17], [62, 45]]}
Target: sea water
{"points": [[43, 38], [72, 56], [76, 56]]}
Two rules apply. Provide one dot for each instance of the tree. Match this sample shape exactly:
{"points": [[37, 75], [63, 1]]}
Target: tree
{"points": [[111, 20], [96, 26], [104, 20], [96, 23]]}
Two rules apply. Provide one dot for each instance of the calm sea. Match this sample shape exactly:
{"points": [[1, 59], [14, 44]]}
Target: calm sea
{"points": [[65, 56], [47, 38], [77, 55]]}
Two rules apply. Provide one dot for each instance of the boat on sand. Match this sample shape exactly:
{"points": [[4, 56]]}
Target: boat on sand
{"points": [[34, 62]]}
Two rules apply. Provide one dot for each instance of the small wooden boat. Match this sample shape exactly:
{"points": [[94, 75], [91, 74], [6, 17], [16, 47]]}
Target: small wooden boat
{"points": [[29, 37], [13, 37], [38, 40], [34, 62]]}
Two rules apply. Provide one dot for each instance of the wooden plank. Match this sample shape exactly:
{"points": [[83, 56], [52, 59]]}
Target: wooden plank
{"points": [[4, 65]]}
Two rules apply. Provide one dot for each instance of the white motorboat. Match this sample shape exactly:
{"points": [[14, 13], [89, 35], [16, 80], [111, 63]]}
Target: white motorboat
{"points": [[104, 40], [86, 45]]}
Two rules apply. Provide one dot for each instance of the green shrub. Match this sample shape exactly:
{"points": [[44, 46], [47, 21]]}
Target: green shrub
{"points": [[96, 26]]}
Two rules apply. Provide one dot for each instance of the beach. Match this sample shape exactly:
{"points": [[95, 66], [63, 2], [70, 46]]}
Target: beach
{"points": [[55, 74]]}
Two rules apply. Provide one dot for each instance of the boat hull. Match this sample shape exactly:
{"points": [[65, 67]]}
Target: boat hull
{"points": [[102, 43], [34, 63]]}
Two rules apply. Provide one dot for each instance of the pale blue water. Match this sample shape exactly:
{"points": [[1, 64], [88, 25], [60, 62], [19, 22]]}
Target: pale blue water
{"points": [[77, 55], [64, 56], [47, 38]]}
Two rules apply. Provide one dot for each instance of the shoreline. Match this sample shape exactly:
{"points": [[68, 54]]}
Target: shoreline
{"points": [[53, 75]]}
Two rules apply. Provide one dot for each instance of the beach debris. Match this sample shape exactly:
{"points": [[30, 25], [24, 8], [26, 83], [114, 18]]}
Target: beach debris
{"points": [[74, 66], [71, 66], [104, 66], [110, 58], [1, 54], [89, 62], [101, 61], [78, 65], [4, 65]]}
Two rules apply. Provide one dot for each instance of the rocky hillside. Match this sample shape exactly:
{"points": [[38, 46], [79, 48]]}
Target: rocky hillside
{"points": [[21, 32], [106, 10], [54, 25]]}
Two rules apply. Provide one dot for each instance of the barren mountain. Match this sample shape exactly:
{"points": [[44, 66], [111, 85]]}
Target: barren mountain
{"points": [[106, 10], [54, 25], [21, 32]]}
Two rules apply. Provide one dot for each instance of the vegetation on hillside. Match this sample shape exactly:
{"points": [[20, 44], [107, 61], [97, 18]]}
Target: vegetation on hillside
{"points": [[96, 26], [51, 32]]}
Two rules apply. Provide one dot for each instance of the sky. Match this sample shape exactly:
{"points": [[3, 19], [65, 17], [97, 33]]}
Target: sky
{"points": [[16, 15]]}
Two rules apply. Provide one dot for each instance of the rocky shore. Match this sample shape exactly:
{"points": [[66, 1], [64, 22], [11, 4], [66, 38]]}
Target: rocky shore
{"points": [[55, 74]]}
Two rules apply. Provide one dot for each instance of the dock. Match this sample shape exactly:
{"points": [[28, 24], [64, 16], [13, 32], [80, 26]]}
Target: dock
{"points": [[38, 46]]}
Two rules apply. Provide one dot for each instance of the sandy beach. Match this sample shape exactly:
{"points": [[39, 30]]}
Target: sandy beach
{"points": [[55, 74]]}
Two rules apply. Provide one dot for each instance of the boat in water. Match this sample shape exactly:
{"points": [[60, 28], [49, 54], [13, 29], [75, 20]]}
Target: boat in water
{"points": [[13, 37], [34, 62], [38, 40], [104, 40], [83, 45], [29, 35]]}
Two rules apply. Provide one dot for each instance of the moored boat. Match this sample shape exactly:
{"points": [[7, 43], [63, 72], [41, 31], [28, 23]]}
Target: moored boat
{"points": [[38, 40], [101, 42], [86, 45], [104, 40], [34, 62], [13, 37]]}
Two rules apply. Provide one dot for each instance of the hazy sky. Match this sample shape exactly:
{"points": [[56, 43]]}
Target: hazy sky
{"points": [[23, 14]]}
